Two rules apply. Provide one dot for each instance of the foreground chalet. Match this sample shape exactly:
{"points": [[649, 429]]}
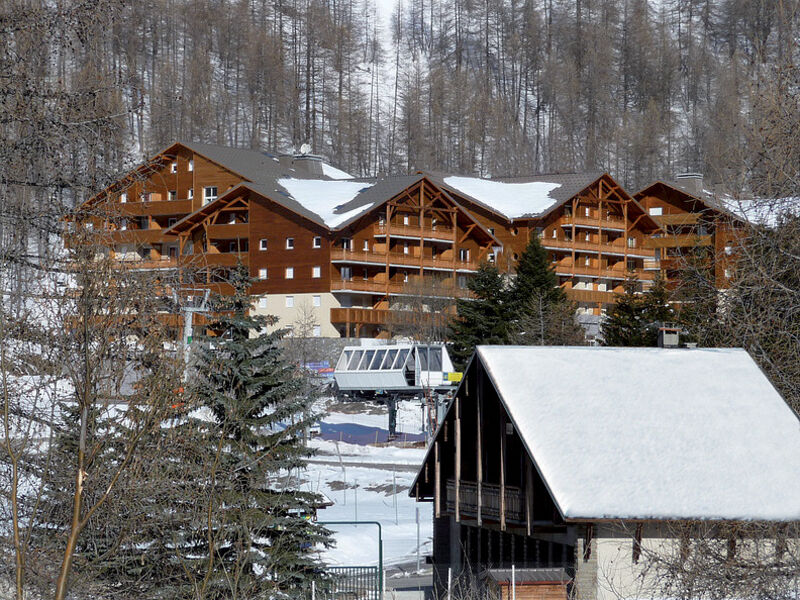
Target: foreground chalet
{"points": [[565, 463], [358, 254]]}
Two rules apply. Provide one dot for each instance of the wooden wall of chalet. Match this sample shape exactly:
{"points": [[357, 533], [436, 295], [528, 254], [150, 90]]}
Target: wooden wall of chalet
{"points": [[273, 222]]}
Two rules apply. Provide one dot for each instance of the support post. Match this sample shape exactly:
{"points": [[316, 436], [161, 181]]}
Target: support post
{"points": [[458, 458], [437, 496], [503, 471], [479, 450]]}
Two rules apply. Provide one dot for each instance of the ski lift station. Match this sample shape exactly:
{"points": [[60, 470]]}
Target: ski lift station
{"points": [[396, 368]]}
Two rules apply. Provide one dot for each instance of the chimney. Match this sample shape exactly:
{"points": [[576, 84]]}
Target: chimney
{"points": [[309, 165], [285, 161], [691, 182]]}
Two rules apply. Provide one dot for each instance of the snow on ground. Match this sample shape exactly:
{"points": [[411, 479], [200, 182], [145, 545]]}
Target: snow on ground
{"points": [[409, 416], [368, 494], [512, 199], [322, 197], [370, 483]]}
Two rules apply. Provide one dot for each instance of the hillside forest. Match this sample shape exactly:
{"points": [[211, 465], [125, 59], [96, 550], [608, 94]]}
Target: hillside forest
{"points": [[641, 89]]}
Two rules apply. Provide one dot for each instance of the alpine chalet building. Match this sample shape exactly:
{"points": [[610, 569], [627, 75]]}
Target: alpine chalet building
{"points": [[359, 253]]}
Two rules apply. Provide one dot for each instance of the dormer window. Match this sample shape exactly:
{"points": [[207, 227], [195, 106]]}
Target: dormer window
{"points": [[190, 166], [173, 168]]}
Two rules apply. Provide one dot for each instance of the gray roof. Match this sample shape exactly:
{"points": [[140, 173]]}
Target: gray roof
{"points": [[528, 575], [379, 191], [254, 165]]}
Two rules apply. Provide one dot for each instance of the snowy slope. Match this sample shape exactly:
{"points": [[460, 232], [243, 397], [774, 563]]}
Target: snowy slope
{"points": [[322, 197]]}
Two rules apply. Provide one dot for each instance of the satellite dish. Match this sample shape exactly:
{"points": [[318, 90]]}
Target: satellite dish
{"points": [[305, 149]]}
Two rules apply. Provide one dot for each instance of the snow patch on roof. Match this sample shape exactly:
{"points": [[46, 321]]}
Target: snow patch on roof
{"points": [[334, 173], [323, 197], [644, 433], [762, 211], [514, 200]]}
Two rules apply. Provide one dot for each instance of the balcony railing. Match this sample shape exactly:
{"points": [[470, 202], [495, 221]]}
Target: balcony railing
{"points": [[581, 221], [442, 233], [413, 287], [400, 258], [490, 496], [593, 296], [602, 273], [379, 316], [594, 248], [158, 208]]}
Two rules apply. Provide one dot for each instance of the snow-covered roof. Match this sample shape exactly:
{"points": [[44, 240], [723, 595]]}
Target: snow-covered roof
{"points": [[762, 211], [647, 433], [512, 199], [334, 173], [323, 197]]}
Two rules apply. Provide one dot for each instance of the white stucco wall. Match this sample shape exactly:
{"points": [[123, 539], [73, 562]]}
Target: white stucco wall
{"points": [[302, 307]]}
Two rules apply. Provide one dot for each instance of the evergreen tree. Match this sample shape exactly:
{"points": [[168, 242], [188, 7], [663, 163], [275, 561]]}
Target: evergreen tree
{"points": [[635, 318], [258, 542], [483, 319], [625, 323], [534, 278]]}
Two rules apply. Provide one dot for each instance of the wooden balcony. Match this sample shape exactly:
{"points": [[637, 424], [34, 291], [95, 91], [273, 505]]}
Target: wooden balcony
{"points": [[593, 223], [150, 264], [490, 496], [235, 231], [592, 296], [441, 233], [679, 219], [384, 317], [156, 209], [402, 259], [567, 269], [593, 248], [218, 259], [136, 236], [414, 288], [679, 241]]}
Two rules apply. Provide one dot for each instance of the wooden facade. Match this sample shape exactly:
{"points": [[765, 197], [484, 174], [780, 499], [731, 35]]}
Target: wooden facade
{"points": [[695, 235], [209, 208]]}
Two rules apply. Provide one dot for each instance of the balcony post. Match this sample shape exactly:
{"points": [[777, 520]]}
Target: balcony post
{"points": [[458, 458], [503, 470]]}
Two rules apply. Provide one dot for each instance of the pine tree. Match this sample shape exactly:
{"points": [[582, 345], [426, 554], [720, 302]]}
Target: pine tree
{"points": [[534, 278], [635, 318], [625, 323], [482, 320], [258, 543]]}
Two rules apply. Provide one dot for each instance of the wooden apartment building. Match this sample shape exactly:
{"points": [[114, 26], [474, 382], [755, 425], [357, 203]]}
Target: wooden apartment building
{"points": [[357, 254]]}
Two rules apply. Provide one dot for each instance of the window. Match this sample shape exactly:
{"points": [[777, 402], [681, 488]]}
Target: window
{"points": [[262, 302], [463, 254], [728, 273], [347, 244], [144, 222], [405, 219], [316, 272], [366, 245], [555, 234], [171, 221], [728, 250], [631, 265], [317, 331], [405, 276], [209, 194], [233, 247], [365, 274], [191, 165], [317, 242], [462, 281], [381, 221], [190, 194], [123, 197], [631, 242], [289, 301], [290, 243], [347, 273], [586, 211], [289, 272], [491, 258], [316, 300], [173, 168], [656, 211], [262, 244], [262, 273], [405, 247], [173, 195], [491, 230]]}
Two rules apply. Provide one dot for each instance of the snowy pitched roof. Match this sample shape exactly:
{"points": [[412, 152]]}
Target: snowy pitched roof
{"points": [[521, 197], [648, 433]]}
